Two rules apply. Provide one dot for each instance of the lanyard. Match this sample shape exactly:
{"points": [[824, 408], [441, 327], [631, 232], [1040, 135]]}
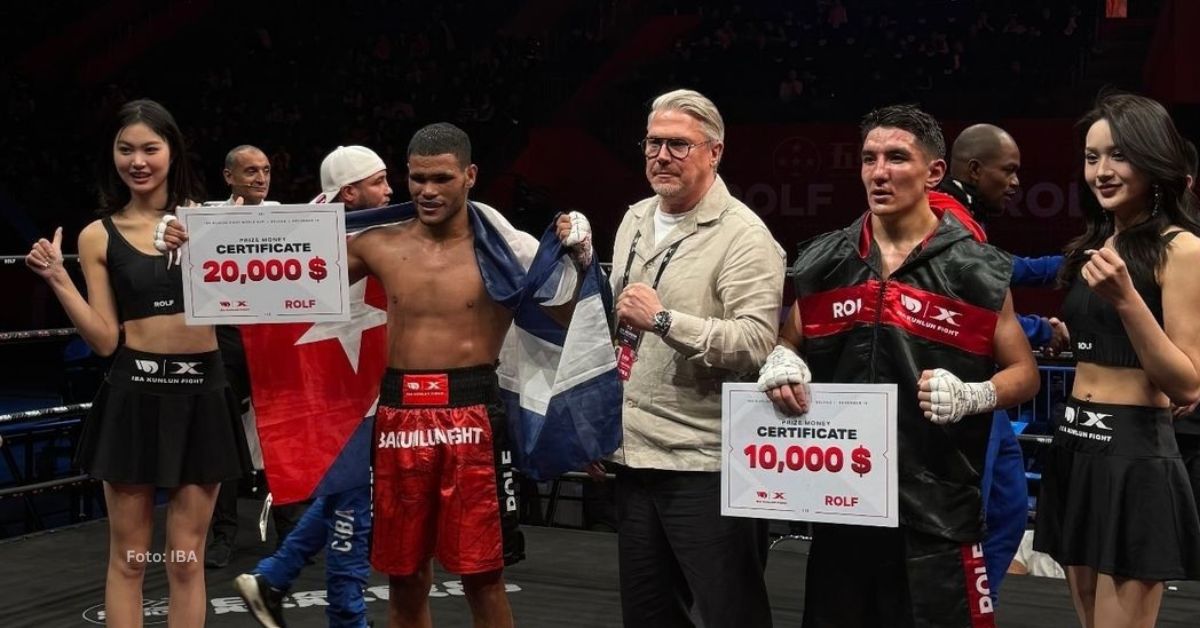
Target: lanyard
{"points": [[662, 267]]}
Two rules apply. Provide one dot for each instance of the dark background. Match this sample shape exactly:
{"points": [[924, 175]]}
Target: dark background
{"points": [[554, 94]]}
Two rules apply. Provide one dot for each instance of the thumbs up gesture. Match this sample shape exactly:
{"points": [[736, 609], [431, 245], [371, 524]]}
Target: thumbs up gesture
{"points": [[45, 259]]}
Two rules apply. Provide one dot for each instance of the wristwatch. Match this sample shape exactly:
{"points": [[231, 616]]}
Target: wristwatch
{"points": [[662, 322]]}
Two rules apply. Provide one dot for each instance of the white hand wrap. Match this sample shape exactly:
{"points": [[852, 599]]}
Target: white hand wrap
{"points": [[579, 240], [160, 230], [952, 399], [783, 367]]}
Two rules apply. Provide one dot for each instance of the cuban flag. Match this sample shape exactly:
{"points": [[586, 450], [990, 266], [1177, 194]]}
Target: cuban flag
{"points": [[560, 386], [315, 387]]}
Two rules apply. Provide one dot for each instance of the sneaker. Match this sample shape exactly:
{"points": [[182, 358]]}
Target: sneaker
{"points": [[263, 601], [218, 554]]}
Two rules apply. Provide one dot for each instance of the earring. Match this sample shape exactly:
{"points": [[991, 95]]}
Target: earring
{"points": [[1157, 201]]}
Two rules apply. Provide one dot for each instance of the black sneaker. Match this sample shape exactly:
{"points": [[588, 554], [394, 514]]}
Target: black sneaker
{"points": [[218, 554], [263, 601]]}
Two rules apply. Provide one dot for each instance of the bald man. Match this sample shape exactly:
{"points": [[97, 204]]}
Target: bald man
{"points": [[984, 162], [248, 174]]}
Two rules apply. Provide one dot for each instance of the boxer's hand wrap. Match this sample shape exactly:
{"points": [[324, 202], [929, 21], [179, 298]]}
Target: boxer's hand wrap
{"points": [[160, 231], [579, 240], [782, 368], [951, 399]]}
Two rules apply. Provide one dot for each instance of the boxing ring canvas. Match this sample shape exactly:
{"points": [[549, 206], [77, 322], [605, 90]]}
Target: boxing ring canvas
{"points": [[56, 579]]}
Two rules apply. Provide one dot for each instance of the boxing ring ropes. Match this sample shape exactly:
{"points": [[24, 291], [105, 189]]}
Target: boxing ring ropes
{"points": [[1055, 380]]}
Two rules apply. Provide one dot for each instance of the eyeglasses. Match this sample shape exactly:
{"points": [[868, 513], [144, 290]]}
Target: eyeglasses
{"points": [[678, 148]]}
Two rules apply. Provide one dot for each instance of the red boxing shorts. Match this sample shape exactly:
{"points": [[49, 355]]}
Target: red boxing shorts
{"points": [[444, 483]]}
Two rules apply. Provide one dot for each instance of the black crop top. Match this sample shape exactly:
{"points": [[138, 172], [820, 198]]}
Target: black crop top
{"points": [[143, 285], [1097, 334]]}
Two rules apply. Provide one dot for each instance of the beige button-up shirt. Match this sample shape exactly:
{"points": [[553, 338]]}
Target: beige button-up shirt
{"points": [[724, 287]]}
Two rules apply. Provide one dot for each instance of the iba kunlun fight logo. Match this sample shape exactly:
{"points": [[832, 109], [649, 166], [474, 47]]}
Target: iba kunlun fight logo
{"points": [[796, 158]]}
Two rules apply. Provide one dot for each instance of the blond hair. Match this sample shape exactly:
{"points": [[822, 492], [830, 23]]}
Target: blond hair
{"points": [[694, 104]]}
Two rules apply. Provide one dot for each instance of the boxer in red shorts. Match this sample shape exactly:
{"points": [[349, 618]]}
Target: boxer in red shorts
{"points": [[440, 445], [442, 481]]}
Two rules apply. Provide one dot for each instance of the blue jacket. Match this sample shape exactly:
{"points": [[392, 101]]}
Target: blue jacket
{"points": [[1035, 272]]}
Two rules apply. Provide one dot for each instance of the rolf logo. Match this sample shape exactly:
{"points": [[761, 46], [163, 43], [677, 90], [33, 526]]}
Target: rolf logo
{"points": [[146, 366], [166, 303], [849, 307], [912, 305], [946, 316], [510, 493], [185, 368], [981, 592]]}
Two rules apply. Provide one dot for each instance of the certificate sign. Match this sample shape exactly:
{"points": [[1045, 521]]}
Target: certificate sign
{"points": [[265, 264], [835, 464]]}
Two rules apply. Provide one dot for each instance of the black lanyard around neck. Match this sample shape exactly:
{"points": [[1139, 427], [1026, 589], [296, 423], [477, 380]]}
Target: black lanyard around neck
{"points": [[662, 267]]}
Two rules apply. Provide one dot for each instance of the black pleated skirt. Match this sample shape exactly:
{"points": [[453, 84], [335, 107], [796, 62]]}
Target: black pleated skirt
{"points": [[1115, 495], [166, 420]]}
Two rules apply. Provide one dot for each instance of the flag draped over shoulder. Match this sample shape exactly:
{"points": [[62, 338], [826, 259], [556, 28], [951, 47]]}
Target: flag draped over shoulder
{"points": [[560, 385], [316, 386]]}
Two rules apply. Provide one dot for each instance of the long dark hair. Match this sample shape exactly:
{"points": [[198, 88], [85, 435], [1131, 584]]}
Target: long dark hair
{"points": [[1145, 133], [182, 183]]}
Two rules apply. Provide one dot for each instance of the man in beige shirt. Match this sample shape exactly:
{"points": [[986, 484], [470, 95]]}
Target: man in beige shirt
{"points": [[700, 282]]}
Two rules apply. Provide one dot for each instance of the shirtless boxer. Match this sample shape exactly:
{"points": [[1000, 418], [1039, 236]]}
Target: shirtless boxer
{"points": [[441, 459]]}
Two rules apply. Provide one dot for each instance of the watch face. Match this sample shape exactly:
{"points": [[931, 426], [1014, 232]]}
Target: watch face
{"points": [[662, 322]]}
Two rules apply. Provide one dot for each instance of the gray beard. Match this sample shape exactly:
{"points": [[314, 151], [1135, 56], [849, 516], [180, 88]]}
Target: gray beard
{"points": [[667, 190]]}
